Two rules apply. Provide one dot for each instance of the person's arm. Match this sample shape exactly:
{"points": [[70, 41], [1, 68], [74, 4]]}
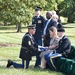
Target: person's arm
{"points": [[52, 47], [54, 23], [63, 46], [55, 44], [43, 25], [29, 44]]}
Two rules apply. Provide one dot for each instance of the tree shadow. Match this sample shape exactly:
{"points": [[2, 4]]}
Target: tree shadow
{"points": [[7, 32], [10, 32], [8, 59], [68, 27], [71, 36], [7, 28]]}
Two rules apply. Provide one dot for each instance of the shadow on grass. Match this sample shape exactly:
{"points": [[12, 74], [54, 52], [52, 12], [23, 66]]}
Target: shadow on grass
{"points": [[10, 28], [72, 36], [46, 70], [10, 32], [8, 59], [68, 27], [4, 67], [7, 28]]}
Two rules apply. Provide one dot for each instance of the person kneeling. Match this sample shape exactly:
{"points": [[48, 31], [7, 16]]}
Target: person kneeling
{"points": [[27, 48]]}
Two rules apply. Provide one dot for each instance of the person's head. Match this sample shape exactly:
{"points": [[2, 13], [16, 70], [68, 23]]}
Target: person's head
{"points": [[53, 12], [48, 14], [53, 32], [38, 11], [31, 29], [61, 32], [55, 17]]}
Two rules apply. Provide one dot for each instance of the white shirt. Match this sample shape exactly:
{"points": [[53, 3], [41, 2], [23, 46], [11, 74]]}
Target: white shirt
{"points": [[44, 32]]}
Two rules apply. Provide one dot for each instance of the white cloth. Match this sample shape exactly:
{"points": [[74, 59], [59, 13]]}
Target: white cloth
{"points": [[44, 32], [41, 48]]}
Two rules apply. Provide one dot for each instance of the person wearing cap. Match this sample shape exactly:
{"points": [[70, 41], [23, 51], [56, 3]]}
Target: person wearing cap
{"points": [[28, 46], [38, 21], [62, 50], [64, 43]]}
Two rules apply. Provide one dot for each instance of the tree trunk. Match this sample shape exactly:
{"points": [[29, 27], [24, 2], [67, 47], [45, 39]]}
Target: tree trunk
{"points": [[18, 26], [5, 23], [70, 20]]}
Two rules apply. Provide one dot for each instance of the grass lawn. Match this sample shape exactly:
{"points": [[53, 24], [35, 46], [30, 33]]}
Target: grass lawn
{"points": [[10, 43]]}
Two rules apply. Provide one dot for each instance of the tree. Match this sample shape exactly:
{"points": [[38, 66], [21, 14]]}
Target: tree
{"points": [[64, 8], [18, 11], [68, 10]]}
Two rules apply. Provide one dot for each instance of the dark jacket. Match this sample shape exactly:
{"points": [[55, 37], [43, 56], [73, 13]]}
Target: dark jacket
{"points": [[64, 46], [50, 24], [47, 36], [39, 24], [28, 46]]}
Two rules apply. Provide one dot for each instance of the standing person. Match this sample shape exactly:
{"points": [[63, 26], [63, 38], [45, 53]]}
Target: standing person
{"points": [[38, 22], [27, 48], [49, 23], [62, 50], [55, 17], [59, 20]]}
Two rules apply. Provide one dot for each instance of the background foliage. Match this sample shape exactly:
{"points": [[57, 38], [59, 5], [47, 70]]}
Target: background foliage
{"points": [[20, 12]]}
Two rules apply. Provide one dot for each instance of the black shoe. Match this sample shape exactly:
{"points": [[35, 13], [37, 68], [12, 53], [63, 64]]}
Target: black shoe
{"points": [[26, 67], [9, 63], [36, 66]]}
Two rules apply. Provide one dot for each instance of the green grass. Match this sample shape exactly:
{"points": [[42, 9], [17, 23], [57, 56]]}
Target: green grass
{"points": [[70, 32], [9, 36]]}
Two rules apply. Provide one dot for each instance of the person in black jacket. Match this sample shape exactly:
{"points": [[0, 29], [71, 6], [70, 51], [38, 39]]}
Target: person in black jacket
{"points": [[64, 43], [48, 24], [62, 50], [38, 21], [27, 48]]}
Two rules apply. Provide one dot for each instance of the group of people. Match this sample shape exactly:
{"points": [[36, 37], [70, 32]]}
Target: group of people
{"points": [[48, 33]]}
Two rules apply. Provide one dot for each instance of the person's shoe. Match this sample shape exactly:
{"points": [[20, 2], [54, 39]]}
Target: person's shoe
{"points": [[9, 63], [36, 66], [43, 69], [26, 68]]}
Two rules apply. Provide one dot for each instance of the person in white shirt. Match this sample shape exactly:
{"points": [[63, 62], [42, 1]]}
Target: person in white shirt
{"points": [[48, 24]]}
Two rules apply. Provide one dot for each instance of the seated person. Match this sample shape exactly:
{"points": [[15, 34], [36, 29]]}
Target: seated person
{"points": [[53, 45], [62, 50]]}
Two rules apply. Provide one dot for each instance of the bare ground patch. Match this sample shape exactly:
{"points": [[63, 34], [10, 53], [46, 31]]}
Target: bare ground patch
{"points": [[8, 45]]}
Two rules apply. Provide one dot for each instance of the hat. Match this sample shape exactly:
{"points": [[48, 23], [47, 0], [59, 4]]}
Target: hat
{"points": [[61, 30], [38, 8], [31, 27], [59, 26]]}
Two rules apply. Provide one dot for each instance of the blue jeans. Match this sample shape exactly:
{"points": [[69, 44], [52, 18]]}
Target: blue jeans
{"points": [[16, 65]]}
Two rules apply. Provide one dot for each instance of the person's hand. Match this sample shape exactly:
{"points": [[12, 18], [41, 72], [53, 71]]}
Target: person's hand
{"points": [[49, 47], [43, 36]]}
